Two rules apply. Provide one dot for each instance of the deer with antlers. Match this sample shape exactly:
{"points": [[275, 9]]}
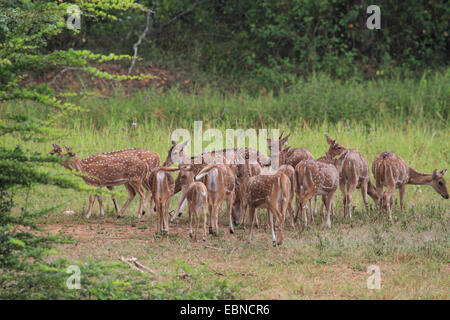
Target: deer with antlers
{"points": [[109, 170], [197, 198], [354, 174], [393, 172], [220, 183], [270, 190], [316, 178]]}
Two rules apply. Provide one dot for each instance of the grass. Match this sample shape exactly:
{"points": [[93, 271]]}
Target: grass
{"points": [[315, 263]]}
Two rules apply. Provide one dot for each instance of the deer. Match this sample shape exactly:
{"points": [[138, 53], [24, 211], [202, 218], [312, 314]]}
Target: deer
{"points": [[220, 183], [197, 198], [289, 171], [109, 170], [393, 172], [240, 174], [316, 178], [229, 157], [162, 186], [290, 157], [353, 174], [270, 190]]}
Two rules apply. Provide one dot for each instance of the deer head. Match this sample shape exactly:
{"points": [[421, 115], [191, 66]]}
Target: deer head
{"points": [[335, 149], [176, 153], [56, 149], [438, 183]]}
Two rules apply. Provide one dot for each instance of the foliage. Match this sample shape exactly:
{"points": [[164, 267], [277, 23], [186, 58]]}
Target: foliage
{"points": [[26, 27], [271, 43]]}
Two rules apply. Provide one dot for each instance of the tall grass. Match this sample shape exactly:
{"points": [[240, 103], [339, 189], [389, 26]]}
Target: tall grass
{"points": [[308, 102]]}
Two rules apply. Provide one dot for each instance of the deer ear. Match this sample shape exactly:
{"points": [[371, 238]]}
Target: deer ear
{"points": [[443, 171], [434, 175], [329, 141], [285, 139], [184, 144]]}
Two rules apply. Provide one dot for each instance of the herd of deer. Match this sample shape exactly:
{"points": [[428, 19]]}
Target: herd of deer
{"points": [[228, 175]]}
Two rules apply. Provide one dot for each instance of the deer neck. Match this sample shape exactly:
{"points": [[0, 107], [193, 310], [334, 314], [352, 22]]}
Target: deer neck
{"points": [[419, 178], [372, 191]]}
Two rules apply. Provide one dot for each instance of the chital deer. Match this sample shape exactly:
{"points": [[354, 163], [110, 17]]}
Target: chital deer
{"points": [[197, 198], [316, 178], [392, 171], [290, 173], [220, 182], [229, 157], [270, 191], [241, 173], [109, 170], [354, 174], [291, 157], [162, 185]]}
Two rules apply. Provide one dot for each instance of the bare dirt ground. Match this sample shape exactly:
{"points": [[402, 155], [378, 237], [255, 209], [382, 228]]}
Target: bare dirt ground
{"points": [[312, 264]]}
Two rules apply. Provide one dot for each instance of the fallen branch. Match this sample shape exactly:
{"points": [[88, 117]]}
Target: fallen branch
{"points": [[135, 264]]}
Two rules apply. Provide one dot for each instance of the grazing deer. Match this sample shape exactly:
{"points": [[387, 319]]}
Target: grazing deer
{"points": [[197, 198], [392, 171], [270, 191], [220, 182], [353, 174], [316, 178], [109, 170], [162, 185]]}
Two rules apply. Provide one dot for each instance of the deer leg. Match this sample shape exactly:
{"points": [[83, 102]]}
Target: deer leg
{"points": [[251, 213], [216, 218], [401, 192], [91, 203], [344, 196], [131, 195], [100, 205], [386, 199], [190, 223], [116, 206], [141, 193], [311, 212], [230, 209], [210, 218], [364, 187], [204, 220], [166, 215], [329, 204], [351, 187], [272, 229]]}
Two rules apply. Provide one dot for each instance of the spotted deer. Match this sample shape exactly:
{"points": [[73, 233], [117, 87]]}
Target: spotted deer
{"points": [[109, 170], [197, 198], [220, 182], [316, 178], [289, 171], [393, 172], [290, 157], [162, 186], [229, 157], [270, 190], [241, 173], [354, 174]]}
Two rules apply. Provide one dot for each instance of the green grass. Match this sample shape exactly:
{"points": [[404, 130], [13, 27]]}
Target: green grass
{"points": [[310, 102]]}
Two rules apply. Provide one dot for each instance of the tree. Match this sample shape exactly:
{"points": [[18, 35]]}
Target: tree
{"points": [[26, 27]]}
